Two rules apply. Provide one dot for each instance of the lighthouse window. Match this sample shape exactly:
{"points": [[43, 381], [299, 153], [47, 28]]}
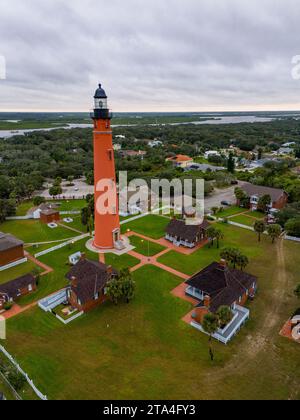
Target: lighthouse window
{"points": [[110, 154]]}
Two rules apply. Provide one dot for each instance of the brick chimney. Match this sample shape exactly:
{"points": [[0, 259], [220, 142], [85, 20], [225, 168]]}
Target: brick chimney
{"points": [[109, 269], [207, 301], [74, 282], [83, 256]]}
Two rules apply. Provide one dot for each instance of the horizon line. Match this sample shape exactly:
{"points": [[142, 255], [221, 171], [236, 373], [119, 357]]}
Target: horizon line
{"points": [[150, 112]]}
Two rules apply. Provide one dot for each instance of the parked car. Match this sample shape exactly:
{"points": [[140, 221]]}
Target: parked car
{"points": [[225, 203]]}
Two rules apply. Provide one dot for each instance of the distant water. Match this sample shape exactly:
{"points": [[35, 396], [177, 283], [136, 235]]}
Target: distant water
{"points": [[219, 120], [236, 120]]}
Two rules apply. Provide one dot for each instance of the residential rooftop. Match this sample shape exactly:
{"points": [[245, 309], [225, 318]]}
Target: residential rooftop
{"points": [[8, 241], [222, 284]]}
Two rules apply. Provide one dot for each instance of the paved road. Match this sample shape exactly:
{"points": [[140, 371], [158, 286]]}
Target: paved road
{"points": [[220, 195], [79, 190]]}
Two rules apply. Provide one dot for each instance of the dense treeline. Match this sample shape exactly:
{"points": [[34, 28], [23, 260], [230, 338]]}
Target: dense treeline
{"points": [[27, 161]]}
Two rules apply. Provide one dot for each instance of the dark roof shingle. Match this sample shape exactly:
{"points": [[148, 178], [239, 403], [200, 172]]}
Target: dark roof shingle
{"points": [[91, 276], [13, 287], [179, 229], [260, 191], [8, 241], [224, 285]]}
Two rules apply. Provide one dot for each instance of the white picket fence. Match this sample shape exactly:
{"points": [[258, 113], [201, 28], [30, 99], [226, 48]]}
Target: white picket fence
{"points": [[56, 247], [67, 321], [18, 367], [30, 217], [13, 264], [291, 238], [18, 218], [240, 225], [63, 213]]}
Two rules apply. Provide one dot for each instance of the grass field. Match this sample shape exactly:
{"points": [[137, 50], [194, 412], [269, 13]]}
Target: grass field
{"points": [[234, 237], [70, 205], [152, 226], [23, 208], [32, 231], [230, 211], [18, 271], [76, 224], [255, 214], [145, 247], [65, 205], [144, 351], [243, 220]]}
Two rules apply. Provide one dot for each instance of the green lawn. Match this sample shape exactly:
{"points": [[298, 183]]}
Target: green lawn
{"points": [[152, 226], [34, 249], [144, 351], [70, 205], [146, 248], [243, 220], [59, 261], [230, 211], [76, 224], [18, 271], [256, 214], [23, 208], [32, 231], [65, 205], [234, 237]]}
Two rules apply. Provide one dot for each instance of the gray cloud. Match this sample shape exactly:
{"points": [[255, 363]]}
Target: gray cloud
{"points": [[160, 55]]}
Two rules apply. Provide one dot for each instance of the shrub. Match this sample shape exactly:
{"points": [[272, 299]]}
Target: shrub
{"points": [[38, 200], [16, 379], [7, 306]]}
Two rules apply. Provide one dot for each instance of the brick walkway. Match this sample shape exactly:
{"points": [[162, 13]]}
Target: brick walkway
{"points": [[153, 261], [102, 258], [45, 267], [16, 310], [179, 292], [166, 244]]}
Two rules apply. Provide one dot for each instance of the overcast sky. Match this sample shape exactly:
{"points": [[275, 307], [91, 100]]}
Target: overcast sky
{"points": [[150, 55]]}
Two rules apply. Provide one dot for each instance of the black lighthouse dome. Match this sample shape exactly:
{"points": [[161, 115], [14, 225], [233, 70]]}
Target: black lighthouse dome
{"points": [[100, 93]]}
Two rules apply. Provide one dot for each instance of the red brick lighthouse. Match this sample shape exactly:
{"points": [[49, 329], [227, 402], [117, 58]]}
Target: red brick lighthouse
{"points": [[107, 222]]}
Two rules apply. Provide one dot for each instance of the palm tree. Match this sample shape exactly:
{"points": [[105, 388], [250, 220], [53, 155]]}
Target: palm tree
{"points": [[274, 231], [219, 235], [259, 227], [231, 255], [211, 234], [242, 261], [210, 325], [224, 314], [240, 194], [264, 202]]}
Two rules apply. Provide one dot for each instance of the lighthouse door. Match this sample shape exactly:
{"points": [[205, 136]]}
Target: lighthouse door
{"points": [[116, 235]]}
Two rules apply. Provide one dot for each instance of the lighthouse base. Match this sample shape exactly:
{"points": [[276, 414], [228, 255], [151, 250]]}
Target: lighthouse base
{"points": [[90, 245]]}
